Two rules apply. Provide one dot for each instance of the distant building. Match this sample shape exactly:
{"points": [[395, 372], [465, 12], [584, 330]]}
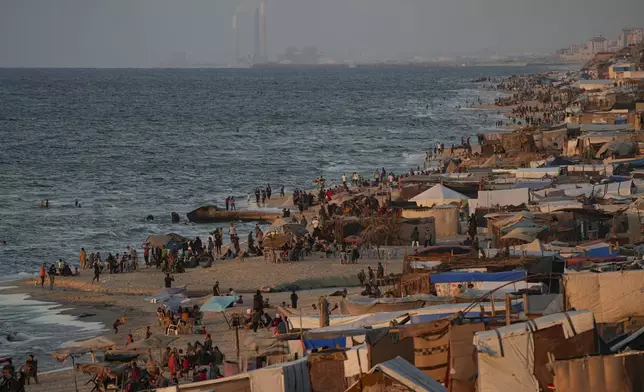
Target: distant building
{"points": [[617, 71], [636, 36], [597, 44]]}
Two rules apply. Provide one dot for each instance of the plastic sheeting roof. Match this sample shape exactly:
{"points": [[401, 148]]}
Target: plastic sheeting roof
{"points": [[408, 375]]}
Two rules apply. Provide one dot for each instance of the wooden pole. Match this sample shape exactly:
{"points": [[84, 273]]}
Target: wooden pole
{"points": [[525, 304], [508, 306], [74, 372], [237, 345], [492, 304]]}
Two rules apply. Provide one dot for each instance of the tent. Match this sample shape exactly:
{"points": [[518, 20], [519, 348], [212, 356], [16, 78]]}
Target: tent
{"points": [[275, 241], [616, 147], [506, 356], [534, 246], [600, 373], [286, 377], [437, 195], [493, 161], [612, 296], [219, 303], [163, 240], [393, 374], [527, 234]]}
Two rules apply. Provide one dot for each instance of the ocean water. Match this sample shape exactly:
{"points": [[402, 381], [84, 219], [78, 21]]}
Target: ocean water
{"points": [[36, 327], [128, 143]]}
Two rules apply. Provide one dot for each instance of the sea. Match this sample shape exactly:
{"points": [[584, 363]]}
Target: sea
{"points": [[128, 143]]}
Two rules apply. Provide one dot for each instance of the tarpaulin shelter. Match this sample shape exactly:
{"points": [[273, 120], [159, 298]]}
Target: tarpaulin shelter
{"points": [[162, 240], [284, 377], [438, 195], [219, 303], [601, 373], [276, 241], [617, 148], [612, 296], [396, 374], [507, 356], [527, 234], [362, 305]]}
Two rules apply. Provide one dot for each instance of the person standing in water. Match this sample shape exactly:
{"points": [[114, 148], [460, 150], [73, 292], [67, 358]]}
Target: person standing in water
{"points": [[43, 273]]}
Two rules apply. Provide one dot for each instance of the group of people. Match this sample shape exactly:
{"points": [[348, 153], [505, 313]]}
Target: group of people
{"points": [[261, 194], [13, 380]]}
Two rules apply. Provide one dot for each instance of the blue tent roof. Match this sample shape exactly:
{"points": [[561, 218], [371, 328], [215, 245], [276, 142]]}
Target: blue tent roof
{"points": [[456, 277], [219, 303], [598, 252]]}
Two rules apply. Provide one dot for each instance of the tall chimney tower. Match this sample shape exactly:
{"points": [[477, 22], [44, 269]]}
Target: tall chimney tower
{"points": [[262, 31], [257, 39], [236, 28]]}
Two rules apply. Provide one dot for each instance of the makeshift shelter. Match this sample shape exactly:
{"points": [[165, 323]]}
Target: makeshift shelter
{"points": [[462, 357], [616, 148], [438, 195], [163, 240], [534, 246], [284, 377], [493, 161], [396, 374], [612, 296], [276, 241], [527, 234], [365, 305], [601, 373], [509, 358]]}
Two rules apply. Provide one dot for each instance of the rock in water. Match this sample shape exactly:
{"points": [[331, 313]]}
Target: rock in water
{"points": [[150, 217]]}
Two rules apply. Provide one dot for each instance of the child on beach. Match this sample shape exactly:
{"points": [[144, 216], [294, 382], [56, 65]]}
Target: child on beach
{"points": [[116, 325]]}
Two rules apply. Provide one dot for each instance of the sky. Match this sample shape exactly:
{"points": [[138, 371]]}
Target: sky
{"points": [[148, 33]]}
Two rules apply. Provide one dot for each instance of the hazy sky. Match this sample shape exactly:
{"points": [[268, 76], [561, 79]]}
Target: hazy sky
{"points": [[139, 33]]}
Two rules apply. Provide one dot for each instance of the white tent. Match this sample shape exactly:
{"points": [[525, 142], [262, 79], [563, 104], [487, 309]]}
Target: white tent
{"points": [[283, 377], [403, 373], [437, 195], [506, 355]]}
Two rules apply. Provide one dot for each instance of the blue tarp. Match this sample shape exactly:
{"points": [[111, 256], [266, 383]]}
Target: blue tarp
{"points": [[218, 304], [312, 344], [598, 252], [456, 277]]}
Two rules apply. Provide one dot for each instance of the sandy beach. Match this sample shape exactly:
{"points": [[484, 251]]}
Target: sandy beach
{"points": [[123, 294]]}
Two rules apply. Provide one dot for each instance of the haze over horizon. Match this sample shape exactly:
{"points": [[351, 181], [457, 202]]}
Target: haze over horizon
{"points": [[147, 33]]}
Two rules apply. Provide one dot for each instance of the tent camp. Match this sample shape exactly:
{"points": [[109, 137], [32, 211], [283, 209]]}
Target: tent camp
{"points": [[283, 377], [612, 296], [438, 195], [396, 374], [510, 358]]}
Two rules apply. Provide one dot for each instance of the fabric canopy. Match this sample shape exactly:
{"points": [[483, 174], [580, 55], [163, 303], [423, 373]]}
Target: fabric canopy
{"points": [[83, 347], [404, 373], [438, 194], [457, 277], [219, 303]]}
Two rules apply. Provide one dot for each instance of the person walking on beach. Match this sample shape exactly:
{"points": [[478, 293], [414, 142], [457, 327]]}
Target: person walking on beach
{"points": [[361, 277], [83, 258], [371, 275], [380, 271], [43, 268], [116, 325], [263, 192], [257, 196], [232, 203], [52, 276], [282, 187], [215, 290], [168, 281], [146, 254], [294, 299], [269, 191], [227, 202], [97, 273]]}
